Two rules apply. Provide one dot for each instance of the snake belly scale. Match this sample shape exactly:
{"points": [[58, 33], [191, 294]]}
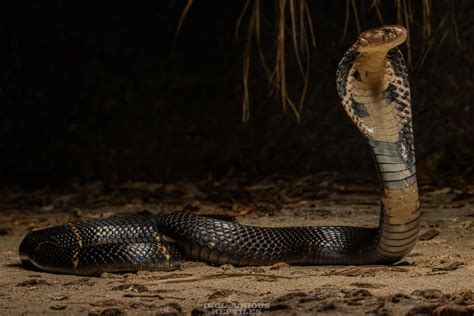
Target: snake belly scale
{"points": [[372, 83]]}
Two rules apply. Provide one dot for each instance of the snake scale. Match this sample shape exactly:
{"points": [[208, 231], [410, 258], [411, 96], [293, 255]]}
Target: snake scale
{"points": [[373, 84]]}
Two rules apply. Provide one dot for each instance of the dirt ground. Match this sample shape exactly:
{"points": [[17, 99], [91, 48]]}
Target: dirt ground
{"points": [[436, 278]]}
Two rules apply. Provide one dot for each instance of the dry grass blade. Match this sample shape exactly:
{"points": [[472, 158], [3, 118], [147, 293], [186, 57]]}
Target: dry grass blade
{"points": [[431, 42], [280, 57], [241, 16], [305, 11], [408, 19], [302, 26], [426, 18], [350, 5], [356, 16], [294, 37], [398, 5], [183, 15], [305, 18], [376, 6], [258, 40], [454, 23], [346, 21], [245, 73], [253, 25]]}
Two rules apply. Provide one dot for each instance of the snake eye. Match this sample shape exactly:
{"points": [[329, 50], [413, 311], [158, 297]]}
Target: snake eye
{"points": [[386, 31]]}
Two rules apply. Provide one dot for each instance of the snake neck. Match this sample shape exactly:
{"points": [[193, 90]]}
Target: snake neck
{"points": [[380, 105], [370, 67]]}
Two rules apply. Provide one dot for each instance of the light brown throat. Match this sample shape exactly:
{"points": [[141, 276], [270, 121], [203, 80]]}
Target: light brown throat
{"points": [[371, 66]]}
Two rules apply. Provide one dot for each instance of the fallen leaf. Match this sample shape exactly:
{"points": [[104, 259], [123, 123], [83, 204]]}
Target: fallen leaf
{"points": [[33, 282], [448, 266], [429, 234]]}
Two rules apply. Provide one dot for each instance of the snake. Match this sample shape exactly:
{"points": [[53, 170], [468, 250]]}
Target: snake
{"points": [[372, 82]]}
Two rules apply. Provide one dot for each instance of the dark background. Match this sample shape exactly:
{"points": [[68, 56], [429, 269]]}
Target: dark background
{"points": [[111, 93]]}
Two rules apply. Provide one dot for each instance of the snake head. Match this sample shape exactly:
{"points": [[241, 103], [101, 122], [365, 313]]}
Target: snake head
{"points": [[382, 38]]}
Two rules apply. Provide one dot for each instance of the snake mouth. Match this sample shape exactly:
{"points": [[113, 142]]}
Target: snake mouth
{"points": [[382, 38]]}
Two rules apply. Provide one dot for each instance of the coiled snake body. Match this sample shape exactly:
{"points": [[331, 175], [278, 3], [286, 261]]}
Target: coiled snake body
{"points": [[373, 84]]}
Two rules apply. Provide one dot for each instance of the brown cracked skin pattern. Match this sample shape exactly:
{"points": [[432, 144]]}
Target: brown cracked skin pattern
{"points": [[372, 82]]}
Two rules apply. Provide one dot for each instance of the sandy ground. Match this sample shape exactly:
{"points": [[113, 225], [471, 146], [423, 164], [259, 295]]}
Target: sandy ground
{"points": [[436, 278]]}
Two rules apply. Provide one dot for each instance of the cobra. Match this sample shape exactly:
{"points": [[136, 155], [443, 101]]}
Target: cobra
{"points": [[373, 84]]}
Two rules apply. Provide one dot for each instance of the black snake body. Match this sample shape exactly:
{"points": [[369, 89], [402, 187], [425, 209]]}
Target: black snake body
{"points": [[373, 84]]}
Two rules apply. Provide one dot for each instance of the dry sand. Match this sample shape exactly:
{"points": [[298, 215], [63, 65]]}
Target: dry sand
{"points": [[436, 278]]}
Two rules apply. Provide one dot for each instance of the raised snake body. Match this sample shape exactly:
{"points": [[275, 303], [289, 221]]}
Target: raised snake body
{"points": [[373, 84]]}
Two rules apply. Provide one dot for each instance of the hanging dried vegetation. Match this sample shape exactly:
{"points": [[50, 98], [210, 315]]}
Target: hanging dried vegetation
{"points": [[293, 29]]}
